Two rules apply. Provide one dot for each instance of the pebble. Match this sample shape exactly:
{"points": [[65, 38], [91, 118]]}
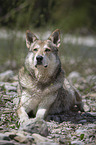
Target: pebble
{"points": [[63, 140], [5, 142], [21, 138], [7, 75], [47, 143], [4, 137], [77, 143], [86, 108], [39, 138], [11, 134], [36, 126], [10, 88], [80, 131], [91, 79], [93, 113], [76, 128], [74, 75], [82, 121]]}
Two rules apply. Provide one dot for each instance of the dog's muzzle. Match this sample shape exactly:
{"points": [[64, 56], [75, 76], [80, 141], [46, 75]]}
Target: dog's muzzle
{"points": [[40, 61]]}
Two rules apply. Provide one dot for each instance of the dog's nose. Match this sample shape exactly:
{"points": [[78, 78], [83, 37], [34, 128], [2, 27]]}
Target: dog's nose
{"points": [[39, 58]]}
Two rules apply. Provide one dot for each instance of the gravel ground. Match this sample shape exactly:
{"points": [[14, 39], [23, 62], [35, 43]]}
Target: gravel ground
{"points": [[71, 128]]}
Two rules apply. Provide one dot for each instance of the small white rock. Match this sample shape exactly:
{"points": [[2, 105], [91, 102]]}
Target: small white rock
{"points": [[5, 76], [74, 75], [77, 143]]}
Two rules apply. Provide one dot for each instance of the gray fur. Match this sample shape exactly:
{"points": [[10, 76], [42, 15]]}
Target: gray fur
{"points": [[44, 90]]}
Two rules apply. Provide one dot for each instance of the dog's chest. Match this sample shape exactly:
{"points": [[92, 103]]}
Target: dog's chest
{"points": [[34, 92], [31, 96]]}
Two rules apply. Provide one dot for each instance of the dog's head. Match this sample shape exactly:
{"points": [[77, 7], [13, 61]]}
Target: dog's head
{"points": [[43, 54]]}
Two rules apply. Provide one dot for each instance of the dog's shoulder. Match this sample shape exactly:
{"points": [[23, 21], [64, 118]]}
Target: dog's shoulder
{"points": [[21, 71], [25, 78], [24, 73]]}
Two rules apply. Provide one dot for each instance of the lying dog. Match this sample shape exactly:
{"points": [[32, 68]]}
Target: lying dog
{"points": [[42, 86]]}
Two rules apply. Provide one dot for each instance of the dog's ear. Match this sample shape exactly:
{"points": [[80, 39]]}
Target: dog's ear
{"points": [[55, 37], [30, 38]]}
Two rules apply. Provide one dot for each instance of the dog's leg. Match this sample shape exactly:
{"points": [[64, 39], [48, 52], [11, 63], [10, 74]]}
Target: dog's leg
{"points": [[75, 95], [22, 114], [24, 105], [79, 100], [44, 106]]}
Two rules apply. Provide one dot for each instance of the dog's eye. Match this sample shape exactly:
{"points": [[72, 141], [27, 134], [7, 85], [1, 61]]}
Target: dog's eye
{"points": [[35, 49], [47, 50]]}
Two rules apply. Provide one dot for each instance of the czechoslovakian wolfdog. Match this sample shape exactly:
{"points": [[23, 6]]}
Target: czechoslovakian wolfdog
{"points": [[43, 88]]}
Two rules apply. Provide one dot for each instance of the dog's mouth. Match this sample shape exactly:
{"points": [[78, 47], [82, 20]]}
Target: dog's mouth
{"points": [[40, 65], [45, 65]]}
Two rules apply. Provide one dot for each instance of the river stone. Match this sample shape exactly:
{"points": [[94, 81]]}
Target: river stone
{"points": [[74, 75], [16, 101], [10, 88], [64, 140], [93, 113], [80, 131], [77, 143], [4, 137], [86, 108], [21, 138], [91, 79], [5, 142], [46, 143], [9, 64], [82, 121], [11, 134], [38, 138], [35, 126], [7, 75]]}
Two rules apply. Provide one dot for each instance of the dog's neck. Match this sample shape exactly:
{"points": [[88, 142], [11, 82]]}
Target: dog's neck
{"points": [[47, 80], [44, 78], [51, 80]]}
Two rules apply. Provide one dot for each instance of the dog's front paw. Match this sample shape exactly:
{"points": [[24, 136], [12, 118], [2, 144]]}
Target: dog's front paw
{"points": [[31, 120]]}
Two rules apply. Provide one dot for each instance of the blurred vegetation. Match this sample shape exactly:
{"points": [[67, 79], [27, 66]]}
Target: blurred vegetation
{"points": [[68, 15]]}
